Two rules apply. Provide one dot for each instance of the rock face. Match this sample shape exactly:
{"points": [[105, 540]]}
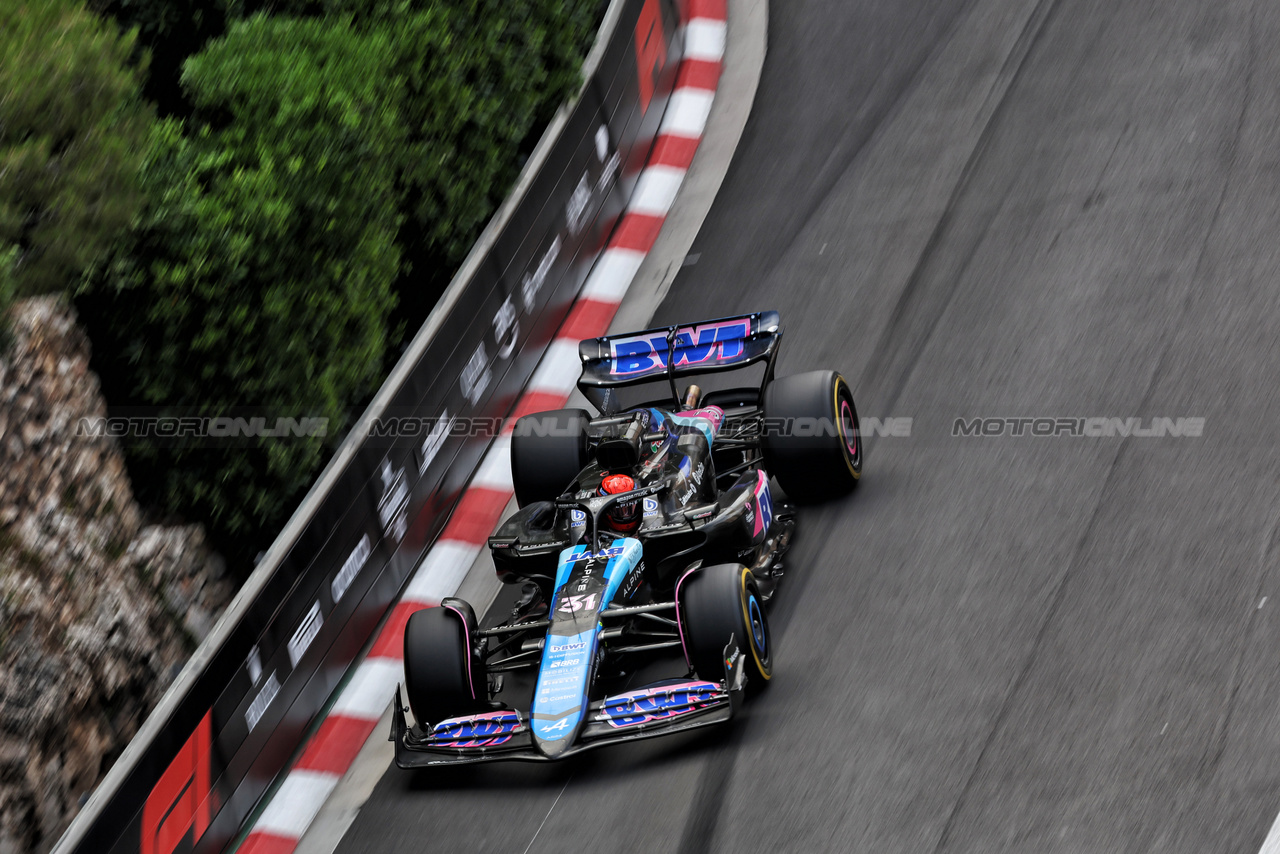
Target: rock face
{"points": [[97, 611]]}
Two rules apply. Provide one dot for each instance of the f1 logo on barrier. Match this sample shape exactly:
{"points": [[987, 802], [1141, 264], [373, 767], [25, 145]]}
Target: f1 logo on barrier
{"points": [[180, 800], [651, 50]]}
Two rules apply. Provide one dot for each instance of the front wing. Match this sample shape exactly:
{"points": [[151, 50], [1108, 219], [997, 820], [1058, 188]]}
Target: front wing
{"points": [[657, 710]]}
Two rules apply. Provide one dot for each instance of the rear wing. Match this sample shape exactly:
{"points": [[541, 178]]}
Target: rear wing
{"points": [[640, 358]]}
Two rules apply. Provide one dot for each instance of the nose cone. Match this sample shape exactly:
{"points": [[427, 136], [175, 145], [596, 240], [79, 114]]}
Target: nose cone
{"points": [[585, 585], [561, 696], [552, 742]]}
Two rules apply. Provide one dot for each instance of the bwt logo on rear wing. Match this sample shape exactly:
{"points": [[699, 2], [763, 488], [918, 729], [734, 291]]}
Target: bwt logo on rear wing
{"points": [[711, 345], [718, 343]]}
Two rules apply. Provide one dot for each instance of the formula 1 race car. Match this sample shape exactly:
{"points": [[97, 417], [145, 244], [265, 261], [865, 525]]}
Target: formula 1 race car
{"points": [[651, 530]]}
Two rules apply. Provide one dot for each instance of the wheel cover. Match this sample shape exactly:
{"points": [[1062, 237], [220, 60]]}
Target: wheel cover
{"points": [[759, 635], [847, 427], [758, 651]]}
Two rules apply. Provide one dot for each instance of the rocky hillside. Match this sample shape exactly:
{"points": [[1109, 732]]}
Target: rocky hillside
{"points": [[98, 610]]}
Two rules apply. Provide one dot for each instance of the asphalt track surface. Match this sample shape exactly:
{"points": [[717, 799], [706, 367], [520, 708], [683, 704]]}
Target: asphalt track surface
{"points": [[1001, 208]]}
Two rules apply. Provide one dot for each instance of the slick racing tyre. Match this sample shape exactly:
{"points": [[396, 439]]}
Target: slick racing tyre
{"points": [[717, 602], [548, 450], [443, 675], [812, 443]]}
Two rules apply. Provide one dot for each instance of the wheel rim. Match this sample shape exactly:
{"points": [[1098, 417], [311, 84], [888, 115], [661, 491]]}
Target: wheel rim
{"points": [[759, 631], [848, 429]]}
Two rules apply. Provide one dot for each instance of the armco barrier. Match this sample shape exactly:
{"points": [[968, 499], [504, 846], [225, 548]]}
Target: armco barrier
{"points": [[230, 722]]}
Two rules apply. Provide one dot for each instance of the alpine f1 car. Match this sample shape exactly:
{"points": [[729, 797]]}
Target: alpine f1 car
{"points": [[649, 530]]}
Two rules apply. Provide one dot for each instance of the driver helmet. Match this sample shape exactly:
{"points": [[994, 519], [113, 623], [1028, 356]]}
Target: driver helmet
{"points": [[623, 516]]}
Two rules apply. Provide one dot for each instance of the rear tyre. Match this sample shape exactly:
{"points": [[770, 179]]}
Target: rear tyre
{"points": [[548, 450], [812, 442], [717, 602], [443, 675]]}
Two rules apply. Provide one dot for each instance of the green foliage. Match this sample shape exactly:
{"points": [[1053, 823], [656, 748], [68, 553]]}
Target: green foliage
{"points": [[72, 134], [482, 76], [482, 80], [260, 274], [323, 143], [157, 20], [171, 31], [8, 292]]}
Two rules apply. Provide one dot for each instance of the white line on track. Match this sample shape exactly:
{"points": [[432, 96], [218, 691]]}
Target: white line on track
{"points": [[704, 39], [430, 583], [656, 190], [1272, 843], [548, 815], [687, 112], [296, 803], [495, 470], [608, 282], [365, 697], [558, 371]]}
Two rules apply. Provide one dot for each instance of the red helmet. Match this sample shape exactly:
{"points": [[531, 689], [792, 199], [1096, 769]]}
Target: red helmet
{"points": [[623, 516]]}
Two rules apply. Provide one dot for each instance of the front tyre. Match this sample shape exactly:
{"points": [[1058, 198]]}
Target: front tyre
{"points": [[811, 440], [444, 677], [716, 602]]}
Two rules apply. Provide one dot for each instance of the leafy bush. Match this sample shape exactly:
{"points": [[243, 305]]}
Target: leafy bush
{"points": [[170, 31], [328, 145], [260, 274], [482, 80], [482, 76], [72, 134], [8, 291]]}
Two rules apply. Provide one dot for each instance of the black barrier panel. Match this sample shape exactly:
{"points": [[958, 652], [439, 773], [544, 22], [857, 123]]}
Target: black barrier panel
{"points": [[593, 164], [570, 185], [583, 176], [194, 784], [634, 119], [586, 180], [437, 374]]}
